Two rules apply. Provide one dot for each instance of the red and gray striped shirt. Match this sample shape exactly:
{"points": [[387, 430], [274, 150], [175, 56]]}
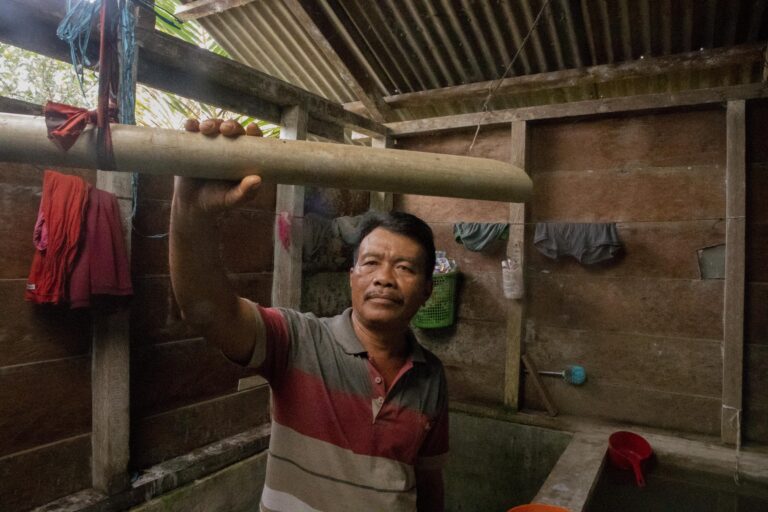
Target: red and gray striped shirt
{"points": [[339, 440]]}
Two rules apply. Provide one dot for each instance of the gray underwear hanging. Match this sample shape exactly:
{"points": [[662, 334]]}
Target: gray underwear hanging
{"points": [[588, 243]]}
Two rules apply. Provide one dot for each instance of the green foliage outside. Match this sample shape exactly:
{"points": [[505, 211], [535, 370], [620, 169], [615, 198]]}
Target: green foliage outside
{"points": [[31, 77], [34, 78]]}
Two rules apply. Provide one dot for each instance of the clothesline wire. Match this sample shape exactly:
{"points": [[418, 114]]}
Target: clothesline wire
{"points": [[663, 221], [710, 219], [493, 88]]}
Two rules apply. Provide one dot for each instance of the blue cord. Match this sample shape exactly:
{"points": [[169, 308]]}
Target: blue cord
{"points": [[127, 95], [127, 99], [75, 29]]}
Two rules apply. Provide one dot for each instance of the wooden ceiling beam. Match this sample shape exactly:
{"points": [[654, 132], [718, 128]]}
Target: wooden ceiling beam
{"points": [[361, 85], [170, 64], [14, 106], [647, 102], [692, 61], [202, 8]]}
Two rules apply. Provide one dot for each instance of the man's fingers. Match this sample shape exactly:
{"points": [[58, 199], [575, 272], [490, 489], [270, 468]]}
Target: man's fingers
{"points": [[251, 183], [210, 126], [249, 187], [254, 130], [227, 128], [245, 191], [231, 129], [192, 125]]}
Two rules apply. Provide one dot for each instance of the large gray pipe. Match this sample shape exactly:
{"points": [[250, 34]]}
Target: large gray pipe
{"points": [[168, 152]]}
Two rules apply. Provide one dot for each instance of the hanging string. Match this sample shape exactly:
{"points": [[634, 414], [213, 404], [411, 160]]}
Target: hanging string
{"points": [[493, 88], [75, 30]]}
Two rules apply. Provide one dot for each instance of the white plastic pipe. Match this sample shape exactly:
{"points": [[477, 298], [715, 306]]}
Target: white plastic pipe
{"points": [[169, 152]]}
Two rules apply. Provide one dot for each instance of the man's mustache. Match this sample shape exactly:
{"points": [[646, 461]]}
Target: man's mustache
{"points": [[379, 295]]}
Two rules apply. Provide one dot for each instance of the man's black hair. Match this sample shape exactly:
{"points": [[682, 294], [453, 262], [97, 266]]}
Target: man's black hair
{"points": [[403, 224]]}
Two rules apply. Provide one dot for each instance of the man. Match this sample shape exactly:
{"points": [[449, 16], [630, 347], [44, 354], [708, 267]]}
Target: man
{"points": [[359, 408]]}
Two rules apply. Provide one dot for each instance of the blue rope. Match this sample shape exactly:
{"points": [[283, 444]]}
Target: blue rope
{"points": [[127, 95], [75, 29]]}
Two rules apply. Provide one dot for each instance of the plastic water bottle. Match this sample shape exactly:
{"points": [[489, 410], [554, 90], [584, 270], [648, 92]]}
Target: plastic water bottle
{"points": [[512, 275]]}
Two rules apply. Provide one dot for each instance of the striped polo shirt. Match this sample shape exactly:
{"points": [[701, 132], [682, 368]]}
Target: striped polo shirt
{"points": [[339, 440]]}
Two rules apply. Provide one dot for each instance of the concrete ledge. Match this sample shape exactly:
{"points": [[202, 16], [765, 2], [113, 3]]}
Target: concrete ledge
{"points": [[572, 480], [236, 488], [169, 475]]}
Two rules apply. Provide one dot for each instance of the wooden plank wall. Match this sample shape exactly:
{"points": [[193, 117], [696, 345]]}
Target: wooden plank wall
{"points": [[183, 391], [756, 329], [45, 365], [647, 328], [474, 350]]}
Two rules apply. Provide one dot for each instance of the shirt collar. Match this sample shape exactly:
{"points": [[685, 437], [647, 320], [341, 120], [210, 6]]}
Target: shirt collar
{"points": [[346, 337]]}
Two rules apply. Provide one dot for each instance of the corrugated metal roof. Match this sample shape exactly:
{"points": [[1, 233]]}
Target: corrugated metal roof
{"points": [[267, 37], [415, 45]]}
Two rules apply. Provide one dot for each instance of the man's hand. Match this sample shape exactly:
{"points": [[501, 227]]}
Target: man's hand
{"points": [[214, 196]]}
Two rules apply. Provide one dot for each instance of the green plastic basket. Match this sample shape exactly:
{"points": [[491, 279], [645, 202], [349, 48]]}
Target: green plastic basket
{"points": [[438, 311]]}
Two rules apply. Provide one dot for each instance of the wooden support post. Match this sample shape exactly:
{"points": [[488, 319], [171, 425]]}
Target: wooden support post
{"points": [[110, 350], [110, 358], [515, 248], [381, 201], [110, 368], [733, 310], [286, 278]]}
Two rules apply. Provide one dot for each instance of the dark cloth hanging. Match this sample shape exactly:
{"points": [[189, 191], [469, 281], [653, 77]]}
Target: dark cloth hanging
{"points": [[588, 243], [477, 235], [102, 266]]}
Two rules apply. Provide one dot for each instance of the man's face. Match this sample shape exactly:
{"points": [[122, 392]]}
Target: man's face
{"points": [[388, 280]]}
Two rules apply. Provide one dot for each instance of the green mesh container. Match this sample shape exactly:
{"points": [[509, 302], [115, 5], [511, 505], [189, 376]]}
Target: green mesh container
{"points": [[439, 309]]}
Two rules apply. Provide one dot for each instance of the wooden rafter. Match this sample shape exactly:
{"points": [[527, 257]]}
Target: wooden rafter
{"points": [[692, 61], [580, 109]]}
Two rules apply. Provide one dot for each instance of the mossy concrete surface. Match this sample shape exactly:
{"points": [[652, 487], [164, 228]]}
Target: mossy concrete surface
{"points": [[495, 465], [236, 488]]}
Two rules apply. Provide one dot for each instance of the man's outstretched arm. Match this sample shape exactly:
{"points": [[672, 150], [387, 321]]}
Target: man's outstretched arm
{"points": [[204, 294]]}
